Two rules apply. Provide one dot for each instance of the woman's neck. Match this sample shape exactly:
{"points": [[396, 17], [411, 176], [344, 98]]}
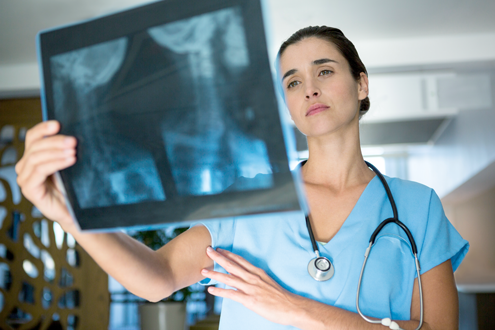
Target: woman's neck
{"points": [[336, 161]]}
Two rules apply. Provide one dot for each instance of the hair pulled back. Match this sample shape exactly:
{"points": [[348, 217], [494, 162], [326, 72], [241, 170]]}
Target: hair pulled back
{"points": [[344, 46]]}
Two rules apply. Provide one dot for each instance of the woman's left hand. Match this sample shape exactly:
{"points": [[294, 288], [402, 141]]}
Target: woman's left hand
{"points": [[253, 287]]}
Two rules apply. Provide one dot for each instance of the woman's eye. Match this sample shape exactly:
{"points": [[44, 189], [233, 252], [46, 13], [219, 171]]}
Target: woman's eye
{"points": [[293, 84], [325, 72]]}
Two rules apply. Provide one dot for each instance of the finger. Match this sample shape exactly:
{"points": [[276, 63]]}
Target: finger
{"points": [[235, 295], [41, 157], [53, 142], [228, 279], [45, 167], [41, 130], [44, 156], [234, 268], [40, 173], [228, 264], [241, 261], [36, 176], [19, 166], [62, 143]]}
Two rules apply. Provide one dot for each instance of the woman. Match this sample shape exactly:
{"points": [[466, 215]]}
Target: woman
{"points": [[265, 259]]}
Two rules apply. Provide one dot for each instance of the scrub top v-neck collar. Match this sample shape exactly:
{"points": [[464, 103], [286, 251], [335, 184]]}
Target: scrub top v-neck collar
{"points": [[352, 224], [348, 229]]}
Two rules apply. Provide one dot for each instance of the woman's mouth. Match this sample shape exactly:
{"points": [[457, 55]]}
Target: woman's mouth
{"points": [[316, 108]]}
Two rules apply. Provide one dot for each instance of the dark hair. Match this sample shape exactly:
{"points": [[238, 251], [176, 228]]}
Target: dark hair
{"points": [[344, 46]]}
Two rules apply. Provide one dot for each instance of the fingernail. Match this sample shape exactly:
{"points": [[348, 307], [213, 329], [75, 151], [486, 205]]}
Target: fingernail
{"points": [[209, 249], [68, 140], [204, 271], [52, 125]]}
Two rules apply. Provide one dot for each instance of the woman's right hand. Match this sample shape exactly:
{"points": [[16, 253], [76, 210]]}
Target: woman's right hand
{"points": [[46, 152], [150, 274]]}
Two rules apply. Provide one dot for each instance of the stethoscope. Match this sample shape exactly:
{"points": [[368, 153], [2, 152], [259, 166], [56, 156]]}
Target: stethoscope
{"points": [[321, 269]]}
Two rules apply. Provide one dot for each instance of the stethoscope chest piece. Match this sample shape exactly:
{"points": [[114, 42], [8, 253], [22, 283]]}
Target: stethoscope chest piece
{"points": [[321, 269]]}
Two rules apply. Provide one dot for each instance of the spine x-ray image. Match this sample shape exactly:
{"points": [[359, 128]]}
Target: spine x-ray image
{"points": [[163, 113]]}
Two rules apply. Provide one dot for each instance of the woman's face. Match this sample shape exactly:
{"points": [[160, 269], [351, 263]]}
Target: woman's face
{"points": [[321, 94]]}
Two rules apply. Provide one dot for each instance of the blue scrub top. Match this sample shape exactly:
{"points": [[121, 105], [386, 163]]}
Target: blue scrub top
{"points": [[280, 245]]}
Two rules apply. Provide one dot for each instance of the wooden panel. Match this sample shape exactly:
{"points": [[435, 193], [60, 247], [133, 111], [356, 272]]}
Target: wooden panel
{"points": [[486, 311], [20, 111], [50, 297]]}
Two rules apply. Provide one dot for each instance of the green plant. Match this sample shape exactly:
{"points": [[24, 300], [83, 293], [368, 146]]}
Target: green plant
{"points": [[155, 239]]}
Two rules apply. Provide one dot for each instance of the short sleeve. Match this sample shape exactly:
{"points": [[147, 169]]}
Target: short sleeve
{"points": [[441, 241], [222, 236]]}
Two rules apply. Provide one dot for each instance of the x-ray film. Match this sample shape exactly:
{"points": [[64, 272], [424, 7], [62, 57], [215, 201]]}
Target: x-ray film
{"points": [[175, 113]]}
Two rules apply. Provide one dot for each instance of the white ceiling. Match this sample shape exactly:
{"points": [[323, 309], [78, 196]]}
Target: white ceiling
{"points": [[360, 20]]}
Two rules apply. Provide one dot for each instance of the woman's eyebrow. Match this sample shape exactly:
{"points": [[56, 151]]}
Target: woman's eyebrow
{"points": [[315, 62], [323, 61], [288, 73]]}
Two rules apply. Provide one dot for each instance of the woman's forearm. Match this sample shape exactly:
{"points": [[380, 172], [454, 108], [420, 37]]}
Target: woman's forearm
{"points": [[138, 268], [310, 314], [263, 295], [152, 275]]}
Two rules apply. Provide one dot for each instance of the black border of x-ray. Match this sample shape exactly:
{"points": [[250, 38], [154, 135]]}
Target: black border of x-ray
{"points": [[281, 197]]}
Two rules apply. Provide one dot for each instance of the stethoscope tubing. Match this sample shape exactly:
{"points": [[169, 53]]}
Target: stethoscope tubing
{"points": [[312, 237], [395, 219], [418, 268]]}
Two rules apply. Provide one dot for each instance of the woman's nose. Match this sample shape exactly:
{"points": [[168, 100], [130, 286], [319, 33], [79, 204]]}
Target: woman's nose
{"points": [[314, 94], [312, 91]]}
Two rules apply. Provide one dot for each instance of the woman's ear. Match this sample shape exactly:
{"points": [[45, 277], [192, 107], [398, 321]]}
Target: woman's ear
{"points": [[363, 90]]}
